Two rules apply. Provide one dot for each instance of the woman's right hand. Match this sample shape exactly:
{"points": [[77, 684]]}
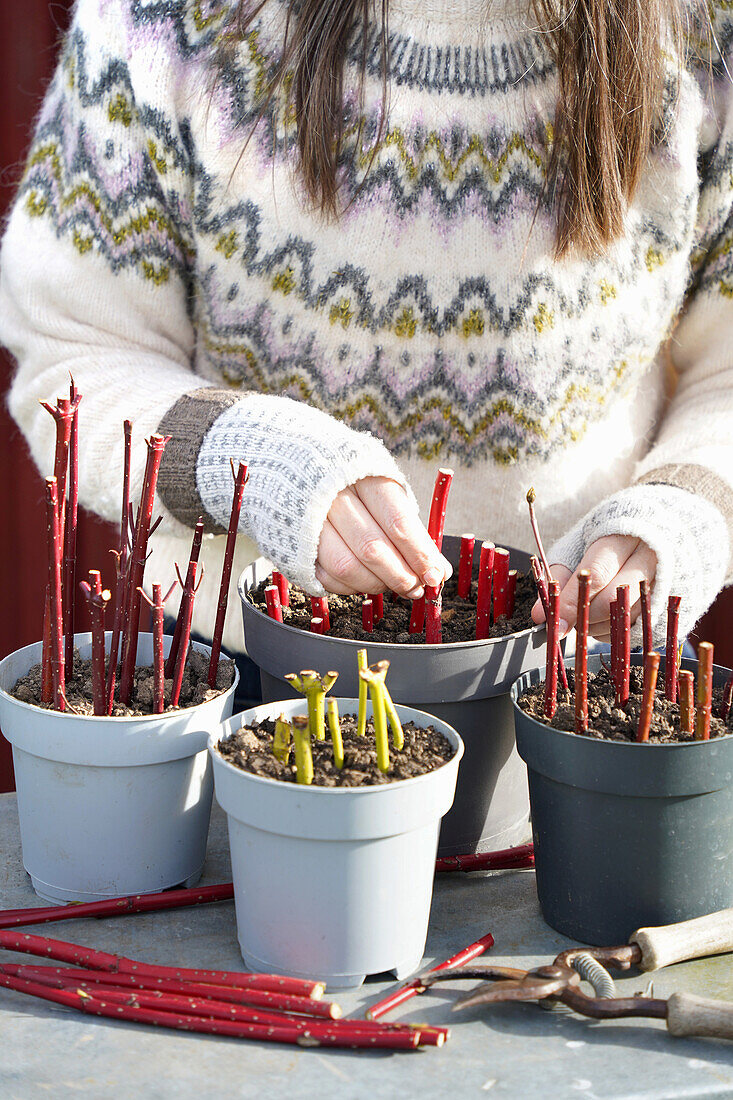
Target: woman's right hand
{"points": [[373, 540]]}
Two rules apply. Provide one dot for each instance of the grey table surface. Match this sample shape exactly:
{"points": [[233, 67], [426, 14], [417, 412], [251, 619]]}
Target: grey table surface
{"points": [[510, 1051]]}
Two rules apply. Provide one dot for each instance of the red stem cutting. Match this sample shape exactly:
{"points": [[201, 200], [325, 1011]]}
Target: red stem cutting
{"points": [[131, 622], [483, 596], [240, 481], [465, 566]]}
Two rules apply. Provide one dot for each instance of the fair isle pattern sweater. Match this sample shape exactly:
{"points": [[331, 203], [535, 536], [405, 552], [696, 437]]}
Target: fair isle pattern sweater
{"points": [[174, 267]]}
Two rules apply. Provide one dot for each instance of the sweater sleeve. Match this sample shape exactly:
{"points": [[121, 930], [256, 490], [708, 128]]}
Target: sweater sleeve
{"points": [[681, 502], [97, 280]]}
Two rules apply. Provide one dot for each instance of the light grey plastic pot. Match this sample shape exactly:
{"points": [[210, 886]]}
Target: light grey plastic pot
{"points": [[627, 835], [466, 684], [332, 884], [109, 806]]}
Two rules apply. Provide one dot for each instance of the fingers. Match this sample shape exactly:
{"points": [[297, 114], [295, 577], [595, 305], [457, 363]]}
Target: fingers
{"points": [[370, 547], [339, 570], [603, 559], [612, 561], [390, 507], [560, 574], [641, 565]]}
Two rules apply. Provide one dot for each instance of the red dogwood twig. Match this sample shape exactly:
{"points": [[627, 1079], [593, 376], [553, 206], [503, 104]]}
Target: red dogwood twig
{"points": [[651, 668], [553, 648], [501, 583], [531, 497], [670, 660], [646, 616], [282, 586], [483, 596], [506, 859], [433, 610], [185, 616], [319, 606], [156, 446], [377, 599], [157, 605], [97, 600], [704, 707], [544, 600], [56, 632], [613, 615], [581, 652], [511, 591], [436, 527], [367, 616], [122, 568], [240, 480], [188, 590], [46, 673], [411, 989], [272, 599], [317, 625], [436, 521], [465, 566], [624, 644], [70, 532], [686, 696]]}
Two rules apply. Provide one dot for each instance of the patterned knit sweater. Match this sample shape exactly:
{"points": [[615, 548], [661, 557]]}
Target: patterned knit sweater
{"points": [[176, 269]]}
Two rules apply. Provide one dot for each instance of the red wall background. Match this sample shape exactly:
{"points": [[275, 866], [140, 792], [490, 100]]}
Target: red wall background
{"points": [[26, 61]]}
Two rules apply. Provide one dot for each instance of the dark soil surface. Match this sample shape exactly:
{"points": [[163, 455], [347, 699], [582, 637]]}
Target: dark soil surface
{"points": [[459, 615], [608, 722], [194, 689], [424, 750]]}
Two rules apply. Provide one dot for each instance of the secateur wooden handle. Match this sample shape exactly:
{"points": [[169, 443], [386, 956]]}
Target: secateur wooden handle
{"points": [[691, 939], [690, 1015]]}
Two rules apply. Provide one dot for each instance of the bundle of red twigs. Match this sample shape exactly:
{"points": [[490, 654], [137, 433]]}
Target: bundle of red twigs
{"points": [[215, 1002], [62, 493]]}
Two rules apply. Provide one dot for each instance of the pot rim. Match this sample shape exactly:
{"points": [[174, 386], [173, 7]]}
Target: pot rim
{"points": [[636, 659], [120, 718], [311, 789], [243, 592]]}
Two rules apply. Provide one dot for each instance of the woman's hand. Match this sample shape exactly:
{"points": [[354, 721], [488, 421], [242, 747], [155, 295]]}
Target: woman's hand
{"points": [[373, 540], [611, 561]]}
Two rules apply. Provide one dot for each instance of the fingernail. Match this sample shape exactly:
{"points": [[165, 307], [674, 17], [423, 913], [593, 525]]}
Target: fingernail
{"points": [[416, 592], [433, 577], [562, 627]]}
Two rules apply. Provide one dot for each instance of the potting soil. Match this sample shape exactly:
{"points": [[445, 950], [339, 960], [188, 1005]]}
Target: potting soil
{"points": [[612, 723], [458, 615], [424, 750], [194, 689]]}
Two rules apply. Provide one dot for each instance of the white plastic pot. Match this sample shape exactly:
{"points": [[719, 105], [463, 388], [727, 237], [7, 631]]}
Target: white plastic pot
{"points": [[332, 884], [109, 806]]}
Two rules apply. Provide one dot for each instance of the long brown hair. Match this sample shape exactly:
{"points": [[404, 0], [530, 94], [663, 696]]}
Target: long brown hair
{"points": [[609, 59]]}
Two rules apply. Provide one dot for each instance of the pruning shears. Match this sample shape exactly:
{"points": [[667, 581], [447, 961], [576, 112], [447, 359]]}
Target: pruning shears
{"points": [[648, 949]]}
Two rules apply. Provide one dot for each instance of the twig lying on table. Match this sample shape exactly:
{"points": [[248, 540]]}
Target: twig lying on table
{"points": [[399, 996]]}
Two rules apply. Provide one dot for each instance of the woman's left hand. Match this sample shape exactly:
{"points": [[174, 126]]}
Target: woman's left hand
{"points": [[611, 561]]}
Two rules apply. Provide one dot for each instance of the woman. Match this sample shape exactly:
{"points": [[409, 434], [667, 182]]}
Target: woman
{"points": [[471, 229]]}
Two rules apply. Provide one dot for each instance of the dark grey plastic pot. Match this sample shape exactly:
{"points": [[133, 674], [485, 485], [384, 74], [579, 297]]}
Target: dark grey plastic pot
{"points": [[465, 684], [627, 835]]}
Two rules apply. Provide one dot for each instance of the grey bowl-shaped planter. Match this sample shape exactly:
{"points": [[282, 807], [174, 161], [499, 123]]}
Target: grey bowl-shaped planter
{"points": [[627, 835], [332, 883], [110, 807], [465, 684]]}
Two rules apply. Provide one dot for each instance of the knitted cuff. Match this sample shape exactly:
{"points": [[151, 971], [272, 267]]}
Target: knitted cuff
{"points": [[687, 533], [298, 459]]}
